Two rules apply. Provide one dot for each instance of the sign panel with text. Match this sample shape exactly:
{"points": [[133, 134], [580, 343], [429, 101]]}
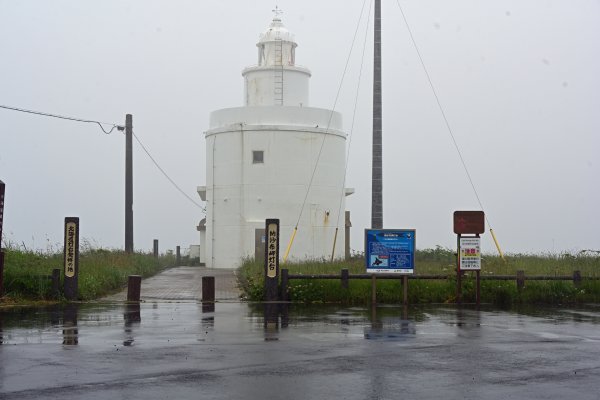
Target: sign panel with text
{"points": [[470, 254], [390, 251]]}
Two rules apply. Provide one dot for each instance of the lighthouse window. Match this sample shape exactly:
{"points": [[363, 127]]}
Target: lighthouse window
{"points": [[258, 157]]}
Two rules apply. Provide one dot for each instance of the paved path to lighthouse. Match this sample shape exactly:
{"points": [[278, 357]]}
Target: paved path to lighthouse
{"points": [[184, 283]]}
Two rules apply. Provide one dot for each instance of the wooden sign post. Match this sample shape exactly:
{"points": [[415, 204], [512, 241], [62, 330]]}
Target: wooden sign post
{"points": [[468, 256], [272, 260], [71, 257], [2, 186]]}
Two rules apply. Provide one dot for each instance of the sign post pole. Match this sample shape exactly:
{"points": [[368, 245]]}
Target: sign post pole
{"points": [[478, 284], [458, 273], [2, 187], [272, 260], [71, 257]]}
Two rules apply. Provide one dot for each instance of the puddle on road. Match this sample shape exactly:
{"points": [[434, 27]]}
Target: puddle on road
{"points": [[190, 322]]}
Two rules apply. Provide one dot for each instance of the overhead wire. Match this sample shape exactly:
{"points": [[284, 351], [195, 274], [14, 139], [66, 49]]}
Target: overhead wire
{"points": [[113, 126], [100, 124], [325, 135], [165, 174], [343, 194], [449, 128]]}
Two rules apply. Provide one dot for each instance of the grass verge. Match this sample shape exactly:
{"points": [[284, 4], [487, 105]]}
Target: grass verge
{"points": [[101, 272], [438, 261]]}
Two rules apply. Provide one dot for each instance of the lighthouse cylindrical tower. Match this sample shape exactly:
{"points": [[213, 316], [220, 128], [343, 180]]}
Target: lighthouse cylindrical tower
{"points": [[261, 162]]}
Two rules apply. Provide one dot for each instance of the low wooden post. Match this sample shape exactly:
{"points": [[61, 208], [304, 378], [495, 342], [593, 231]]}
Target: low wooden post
{"points": [[373, 289], [520, 280], [478, 287], [208, 289], [178, 255], [345, 278], [284, 295], [1, 273], [577, 278], [134, 283], [405, 290], [56, 283], [155, 248]]}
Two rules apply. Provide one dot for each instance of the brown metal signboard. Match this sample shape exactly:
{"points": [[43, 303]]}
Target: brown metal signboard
{"points": [[469, 222]]}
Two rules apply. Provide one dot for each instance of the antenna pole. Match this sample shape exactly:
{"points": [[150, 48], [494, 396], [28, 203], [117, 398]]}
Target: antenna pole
{"points": [[377, 169], [128, 184]]}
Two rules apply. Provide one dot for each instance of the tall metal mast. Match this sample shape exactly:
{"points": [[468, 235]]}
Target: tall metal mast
{"points": [[128, 184], [377, 176]]}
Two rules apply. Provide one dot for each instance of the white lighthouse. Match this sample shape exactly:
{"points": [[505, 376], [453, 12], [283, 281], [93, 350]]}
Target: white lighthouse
{"points": [[260, 163]]}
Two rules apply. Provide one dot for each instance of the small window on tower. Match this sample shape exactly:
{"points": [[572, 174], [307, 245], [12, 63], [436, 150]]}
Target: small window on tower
{"points": [[258, 157]]}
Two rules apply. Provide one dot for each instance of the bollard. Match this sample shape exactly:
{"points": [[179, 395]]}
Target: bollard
{"points": [[134, 284], [178, 255], [56, 283], [345, 279], [284, 295], [208, 289], [520, 280], [577, 278]]}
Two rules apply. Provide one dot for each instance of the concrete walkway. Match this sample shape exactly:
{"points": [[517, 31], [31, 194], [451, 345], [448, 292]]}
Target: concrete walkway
{"points": [[184, 283]]}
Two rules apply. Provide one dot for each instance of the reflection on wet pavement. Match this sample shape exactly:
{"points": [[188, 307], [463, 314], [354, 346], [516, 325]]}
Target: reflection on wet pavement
{"points": [[229, 350]]}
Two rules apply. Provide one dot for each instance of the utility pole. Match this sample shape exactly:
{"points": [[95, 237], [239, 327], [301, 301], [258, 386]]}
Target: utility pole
{"points": [[128, 184], [377, 169]]}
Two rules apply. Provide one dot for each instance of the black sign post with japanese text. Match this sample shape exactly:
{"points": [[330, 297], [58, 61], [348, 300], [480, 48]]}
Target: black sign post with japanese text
{"points": [[1, 252], [272, 260], [1, 209], [71, 257]]}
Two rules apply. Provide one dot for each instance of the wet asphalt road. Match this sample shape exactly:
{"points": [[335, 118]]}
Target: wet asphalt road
{"points": [[181, 350]]}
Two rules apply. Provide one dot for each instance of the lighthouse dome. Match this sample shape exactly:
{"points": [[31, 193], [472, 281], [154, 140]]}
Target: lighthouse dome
{"points": [[276, 46], [276, 31]]}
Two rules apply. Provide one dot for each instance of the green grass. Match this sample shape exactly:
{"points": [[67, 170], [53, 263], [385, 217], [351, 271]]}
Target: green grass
{"points": [[439, 261], [101, 272]]}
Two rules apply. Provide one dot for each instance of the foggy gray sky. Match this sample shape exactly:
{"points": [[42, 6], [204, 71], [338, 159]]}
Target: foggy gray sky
{"points": [[518, 80]]}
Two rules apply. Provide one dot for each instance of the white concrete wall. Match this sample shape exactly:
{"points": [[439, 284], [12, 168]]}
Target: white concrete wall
{"points": [[286, 117], [259, 86], [241, 195]]}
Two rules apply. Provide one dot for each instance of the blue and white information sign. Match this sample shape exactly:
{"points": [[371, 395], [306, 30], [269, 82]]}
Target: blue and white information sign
{"points": [[390, 251]]}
